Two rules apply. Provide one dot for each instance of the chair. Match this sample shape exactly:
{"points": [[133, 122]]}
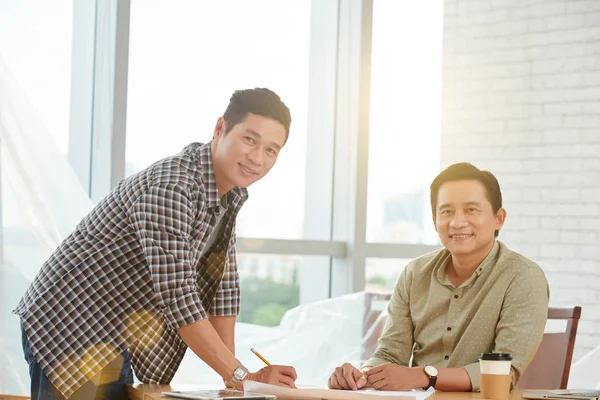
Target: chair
{"points": [[550, 367], [374, 321]]}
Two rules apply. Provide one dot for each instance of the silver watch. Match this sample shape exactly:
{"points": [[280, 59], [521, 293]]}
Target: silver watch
{"points": [[239, 374]]}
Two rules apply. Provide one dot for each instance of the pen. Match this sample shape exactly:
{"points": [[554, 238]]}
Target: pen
{"points": [[260, 356]]}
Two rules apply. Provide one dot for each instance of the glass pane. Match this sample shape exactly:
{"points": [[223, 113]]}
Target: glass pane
{"points": [[182, 75], [35, 68], [382, 273], [35, 43], [269, 285], [404, 140]]}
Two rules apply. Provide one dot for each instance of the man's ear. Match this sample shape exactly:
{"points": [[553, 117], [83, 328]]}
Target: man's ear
{"points": [[434, 222], [220, 127], [500, 218]]}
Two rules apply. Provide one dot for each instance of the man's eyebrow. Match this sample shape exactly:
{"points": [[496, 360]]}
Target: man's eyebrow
{"points": [[256, 134], [468, 203]]}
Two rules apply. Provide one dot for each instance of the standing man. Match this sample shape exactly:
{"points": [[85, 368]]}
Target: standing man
{"points": [[152, 269], [474, 296]]}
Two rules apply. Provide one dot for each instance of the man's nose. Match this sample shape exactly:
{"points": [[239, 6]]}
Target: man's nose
{"points": [[458, 220], [256, 156]]}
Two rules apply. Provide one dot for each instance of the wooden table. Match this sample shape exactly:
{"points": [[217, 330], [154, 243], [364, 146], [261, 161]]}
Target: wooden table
{"points": [[152, 392]]}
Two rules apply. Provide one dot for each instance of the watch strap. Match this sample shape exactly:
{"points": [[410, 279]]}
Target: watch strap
{"points": [[432, 380]]}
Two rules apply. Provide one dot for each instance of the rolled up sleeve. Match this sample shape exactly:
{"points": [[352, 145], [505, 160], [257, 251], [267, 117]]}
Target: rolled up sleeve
{"points": [[162, 218], [474, 375]]}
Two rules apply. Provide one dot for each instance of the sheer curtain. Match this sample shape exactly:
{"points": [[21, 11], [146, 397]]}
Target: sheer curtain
{"points": [[41, 203]]}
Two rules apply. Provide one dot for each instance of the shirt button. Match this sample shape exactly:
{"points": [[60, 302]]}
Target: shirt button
{"points": [[456, 296], [448, 329], [446, 357]]}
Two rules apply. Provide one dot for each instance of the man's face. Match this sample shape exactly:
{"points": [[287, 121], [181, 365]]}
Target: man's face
{"points": [[465, 220], [248, 151]]}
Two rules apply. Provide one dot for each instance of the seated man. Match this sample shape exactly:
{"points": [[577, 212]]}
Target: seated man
{"points": [[471, 297]]}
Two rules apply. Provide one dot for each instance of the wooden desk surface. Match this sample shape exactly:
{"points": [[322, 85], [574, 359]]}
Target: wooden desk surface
{"points": [[151, 392]]}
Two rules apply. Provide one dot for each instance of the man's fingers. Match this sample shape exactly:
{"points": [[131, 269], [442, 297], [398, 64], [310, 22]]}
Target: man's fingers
{"points": [[350, 379], [287, 370], [359, 378], [381, 385], [373, 378], [343, 382], [361, 381], [374, 370], [287, 381], [333, 382], [341, 373]]}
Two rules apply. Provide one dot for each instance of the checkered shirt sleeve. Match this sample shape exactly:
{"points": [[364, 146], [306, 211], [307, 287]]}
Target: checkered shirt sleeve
{"points": [[162, 218]]}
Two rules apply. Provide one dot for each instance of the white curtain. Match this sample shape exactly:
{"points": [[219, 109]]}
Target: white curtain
{"points": [[41, 203]]}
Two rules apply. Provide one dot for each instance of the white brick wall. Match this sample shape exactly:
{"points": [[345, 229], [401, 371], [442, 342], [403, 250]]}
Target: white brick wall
{"points": [[522, 99]]}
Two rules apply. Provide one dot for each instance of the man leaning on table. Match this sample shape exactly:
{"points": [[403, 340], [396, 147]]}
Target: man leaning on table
{"points": [[152, 269], [471, 297]]}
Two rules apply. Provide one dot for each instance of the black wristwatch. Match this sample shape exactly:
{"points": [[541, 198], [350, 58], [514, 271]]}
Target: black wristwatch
{"points": [[432, 373]]}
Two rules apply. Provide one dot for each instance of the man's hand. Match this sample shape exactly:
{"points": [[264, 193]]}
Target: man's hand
{"points": [[280, 375], [390, 376], [347, 377]]}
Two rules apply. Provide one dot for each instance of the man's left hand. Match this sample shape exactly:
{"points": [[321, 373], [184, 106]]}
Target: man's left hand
{"points": [[390, 376]]}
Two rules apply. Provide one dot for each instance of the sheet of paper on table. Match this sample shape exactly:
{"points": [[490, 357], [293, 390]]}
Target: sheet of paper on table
{"points": [[328, 394]]}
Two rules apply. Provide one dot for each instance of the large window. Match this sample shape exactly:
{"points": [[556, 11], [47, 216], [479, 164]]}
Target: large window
{"points": [[35, 72], [270, 286], [35, 48], [186, 59], [381, 274], [404, 135]]}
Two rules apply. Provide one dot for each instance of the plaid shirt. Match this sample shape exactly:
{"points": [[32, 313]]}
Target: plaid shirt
{"points": [[134, 270]]}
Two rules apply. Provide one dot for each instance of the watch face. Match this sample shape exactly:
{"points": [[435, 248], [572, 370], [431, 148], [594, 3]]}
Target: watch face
{"points": [[240, 373], [431, 370]]}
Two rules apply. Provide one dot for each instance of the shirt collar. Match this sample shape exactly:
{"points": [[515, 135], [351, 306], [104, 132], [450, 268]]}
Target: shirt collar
{"points": [[489, 260], [234, 196]]}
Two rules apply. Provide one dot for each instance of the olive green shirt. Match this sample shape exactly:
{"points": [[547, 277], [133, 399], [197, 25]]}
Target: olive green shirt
{"points": [[502, 307]]}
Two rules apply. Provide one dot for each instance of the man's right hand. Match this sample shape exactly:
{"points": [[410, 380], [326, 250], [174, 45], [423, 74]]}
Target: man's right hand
{"points": [[280, 375], [347, 377]]}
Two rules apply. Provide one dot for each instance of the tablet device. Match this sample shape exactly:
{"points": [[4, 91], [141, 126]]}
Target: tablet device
{"points": [[573, 394], [223, 394]]}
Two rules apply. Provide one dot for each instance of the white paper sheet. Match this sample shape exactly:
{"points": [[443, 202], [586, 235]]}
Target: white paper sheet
{"points": [[328, 394]]}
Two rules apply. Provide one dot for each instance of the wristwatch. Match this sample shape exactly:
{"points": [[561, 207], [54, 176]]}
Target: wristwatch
{"points": [[432, 373], [239, 374]]}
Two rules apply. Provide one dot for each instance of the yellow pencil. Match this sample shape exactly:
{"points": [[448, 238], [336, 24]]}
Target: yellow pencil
{"points": [[260, 356]]}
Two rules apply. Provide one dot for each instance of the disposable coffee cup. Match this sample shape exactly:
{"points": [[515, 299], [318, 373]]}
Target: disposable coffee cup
{"points": [[495, 376]]}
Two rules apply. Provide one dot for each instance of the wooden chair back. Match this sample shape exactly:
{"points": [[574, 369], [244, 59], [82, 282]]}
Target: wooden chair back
{"points": [[552, 363]]}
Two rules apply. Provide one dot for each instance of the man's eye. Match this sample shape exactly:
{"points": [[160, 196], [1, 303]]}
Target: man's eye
{"points": [[249, 139], [271, 151]]}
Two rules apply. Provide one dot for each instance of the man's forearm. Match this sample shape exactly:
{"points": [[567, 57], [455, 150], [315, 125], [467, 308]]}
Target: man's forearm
{"points": [[453, 380], [225, 327], [205, 342]]}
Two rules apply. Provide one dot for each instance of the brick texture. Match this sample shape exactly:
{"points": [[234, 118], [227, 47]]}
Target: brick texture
{"points": [[521, 97]]}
